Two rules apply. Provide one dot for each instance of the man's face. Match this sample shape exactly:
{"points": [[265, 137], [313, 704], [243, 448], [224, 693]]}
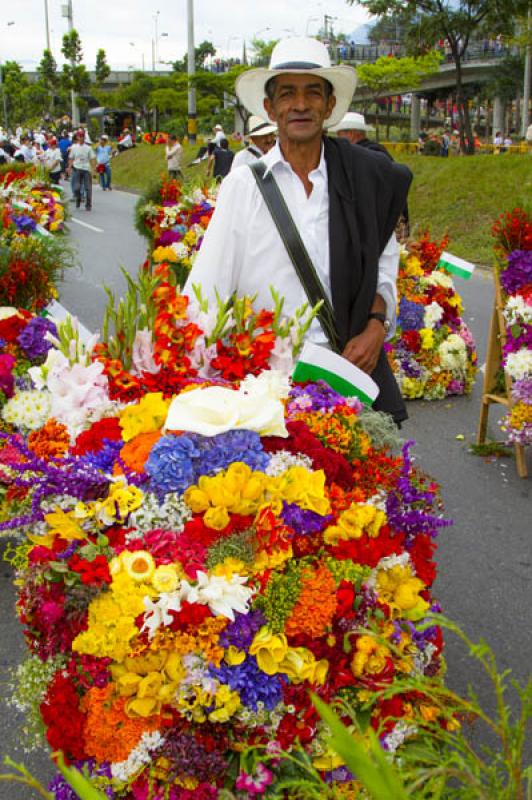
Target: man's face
{"points": [[353, 136], [264, 143], [300, 105]]}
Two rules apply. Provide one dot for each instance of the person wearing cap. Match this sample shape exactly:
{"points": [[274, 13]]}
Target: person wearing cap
{"points": [[344, 201], [218, 135], [125, 142], [53, 160], [354, 128], [104, 153], [80, 161], [262, 139]]}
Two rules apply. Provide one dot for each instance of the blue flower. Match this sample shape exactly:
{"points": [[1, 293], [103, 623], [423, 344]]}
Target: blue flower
{"points": [[252, 684], [170, 465], [411, 315]]}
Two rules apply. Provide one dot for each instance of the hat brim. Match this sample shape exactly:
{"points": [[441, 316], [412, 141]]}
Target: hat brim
{"points": [[250, 87], [265, 130], [360, 128]]}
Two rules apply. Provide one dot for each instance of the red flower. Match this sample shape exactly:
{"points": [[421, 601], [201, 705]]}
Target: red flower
{"points": [[63, 719], [92, 439], [93, 573]]}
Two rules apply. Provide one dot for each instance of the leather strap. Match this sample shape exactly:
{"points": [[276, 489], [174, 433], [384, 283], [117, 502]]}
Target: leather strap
{"points": [[297, 251]]}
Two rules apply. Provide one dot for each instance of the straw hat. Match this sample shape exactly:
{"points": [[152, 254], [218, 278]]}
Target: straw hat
{"points": [[300, 55], [352, 122], [259, 127]]}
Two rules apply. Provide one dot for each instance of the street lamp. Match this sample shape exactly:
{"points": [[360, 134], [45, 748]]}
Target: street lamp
{"points": [[192, 123]]}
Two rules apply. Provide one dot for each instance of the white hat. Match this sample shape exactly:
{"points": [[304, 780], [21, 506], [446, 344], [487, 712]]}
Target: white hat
{"points": [[298, 55], [259, 127], [352, 122], [218, 128]]}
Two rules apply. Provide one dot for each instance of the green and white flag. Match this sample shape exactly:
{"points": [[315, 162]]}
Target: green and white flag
{"points": [[318, 363], [450, 263]]}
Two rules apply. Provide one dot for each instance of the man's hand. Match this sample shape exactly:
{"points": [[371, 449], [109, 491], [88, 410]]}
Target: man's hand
{"points": [[363, 350]]}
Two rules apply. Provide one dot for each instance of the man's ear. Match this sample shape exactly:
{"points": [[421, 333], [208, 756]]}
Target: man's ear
{"points": [[331, 102], [268, 107]]}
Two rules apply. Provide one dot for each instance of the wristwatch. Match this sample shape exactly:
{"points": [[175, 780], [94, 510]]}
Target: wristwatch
{"points": [[382, 318]]}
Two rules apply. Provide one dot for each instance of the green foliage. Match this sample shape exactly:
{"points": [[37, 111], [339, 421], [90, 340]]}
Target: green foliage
{"points": [[19, 774], [201, 53], [72, 48], [47, 71], [102, 70], [262, 50], [397, 74]]}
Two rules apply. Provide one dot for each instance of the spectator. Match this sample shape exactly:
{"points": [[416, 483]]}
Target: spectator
{"points": [[52, 160], [508, 142], [498, 142], [81, 159], [218, 135], [174, 154], [445, 143], [219, 164], [64, 145], [26, 151], [125, 142], [262, 139], [104, 153]]}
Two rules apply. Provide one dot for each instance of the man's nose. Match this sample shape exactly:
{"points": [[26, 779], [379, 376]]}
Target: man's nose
{"points": [[300, 100]]}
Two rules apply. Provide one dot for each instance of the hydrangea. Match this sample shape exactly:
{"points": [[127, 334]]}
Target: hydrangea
{"points": [[519, 365], [453, 353], [170, 463], [410, 315]]}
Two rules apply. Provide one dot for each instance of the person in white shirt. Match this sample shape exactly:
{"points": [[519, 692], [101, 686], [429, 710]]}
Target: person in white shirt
{"points": [[26, 152], [81, 160], [344, 200], [53, 160], [262, 139], [219, 134], [125, 142], [174, 153]]}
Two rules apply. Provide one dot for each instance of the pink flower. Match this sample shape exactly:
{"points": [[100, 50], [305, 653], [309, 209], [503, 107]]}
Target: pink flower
{"points": [[51, 611], [255, 784], [143, 353], [7, 381]]}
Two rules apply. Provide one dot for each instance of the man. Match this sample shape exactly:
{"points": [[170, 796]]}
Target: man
{"points": [[262, 139], [344, 200], [125, 141], [220, 161], [174, 153], [80, 162], [52, 160], [104, 153], [26, 152], [354, 128], [218, 135]]}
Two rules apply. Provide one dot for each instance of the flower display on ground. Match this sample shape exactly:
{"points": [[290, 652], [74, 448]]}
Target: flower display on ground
{"points": [[175, 219], [182, 591], [514, 230], [32, 256], [433, 353]]}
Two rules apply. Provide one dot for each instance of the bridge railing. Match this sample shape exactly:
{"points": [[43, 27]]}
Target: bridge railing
{"points": [[368, 53]]}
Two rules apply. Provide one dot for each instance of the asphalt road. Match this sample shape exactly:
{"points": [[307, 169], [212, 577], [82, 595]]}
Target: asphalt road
{"points": [[485, 559]]}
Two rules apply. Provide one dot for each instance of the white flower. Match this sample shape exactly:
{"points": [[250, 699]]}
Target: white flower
{"points": [[224, 596], [453, 353], [140, 755], [437, 278], [281, 358], [180, 249], [142, 354], [518, 311], [158, 611], [519, 365], [433, 314], [256, 406], [28, 410]]}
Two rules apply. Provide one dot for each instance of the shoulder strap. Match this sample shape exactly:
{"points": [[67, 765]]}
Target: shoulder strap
{"points": [[297, 251]]}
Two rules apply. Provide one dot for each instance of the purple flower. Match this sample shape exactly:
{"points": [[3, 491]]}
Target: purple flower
{"points": [[241, 632], [302, 520], [61, 789], [411, 315], [168, 237], [522, 391], [518, 273], [252, 684], [7, 379], [33, 338], [24, 224]]}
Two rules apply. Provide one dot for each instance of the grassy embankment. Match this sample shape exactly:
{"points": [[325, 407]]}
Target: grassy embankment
{"points": [[460, 195]]}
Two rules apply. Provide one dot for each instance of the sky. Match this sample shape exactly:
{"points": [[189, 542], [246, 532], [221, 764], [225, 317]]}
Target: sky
{"points": [[127, 30]]}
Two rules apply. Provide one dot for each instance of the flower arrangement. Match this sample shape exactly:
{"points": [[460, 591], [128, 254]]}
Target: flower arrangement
{"points": [[174, 222], [433, 353], [513, 246], [155, 138], [28, 205], [196, 556]]}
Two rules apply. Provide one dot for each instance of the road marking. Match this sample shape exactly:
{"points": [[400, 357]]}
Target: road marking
{"points": [[86, 225]]}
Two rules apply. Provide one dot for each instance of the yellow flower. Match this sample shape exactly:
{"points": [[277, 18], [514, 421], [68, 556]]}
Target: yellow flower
{"points": [[196, 499], [413, 266], [269, 650], [139, 565], [165, 578], [228, 567], [369, 658], [146, 416], [62, 524], [412, 388], [233, 656], [400, 589], [272, 560], [328, 761], [300, 665], [216, 518], [427, 338]]}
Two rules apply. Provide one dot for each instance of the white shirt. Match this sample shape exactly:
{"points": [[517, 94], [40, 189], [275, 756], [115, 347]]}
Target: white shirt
{"points": [[243, 251], [81, 156], [52, 159], [218, 136], [249, 155], [173, 156]]}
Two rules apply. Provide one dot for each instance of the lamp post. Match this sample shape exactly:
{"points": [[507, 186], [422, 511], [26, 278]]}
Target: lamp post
{"points": [[192, 122], [48, 47], [68, 13]]}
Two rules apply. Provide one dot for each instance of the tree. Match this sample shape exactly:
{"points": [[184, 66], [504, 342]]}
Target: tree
{"points": [[75, 76], [394, 75], [262, 51], [201, 54], [216, 89], [15, 85], [48, 77], [455, 21], [103, 70]]}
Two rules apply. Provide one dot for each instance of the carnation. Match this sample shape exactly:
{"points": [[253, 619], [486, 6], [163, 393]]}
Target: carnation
{"points": [[433, 314]]}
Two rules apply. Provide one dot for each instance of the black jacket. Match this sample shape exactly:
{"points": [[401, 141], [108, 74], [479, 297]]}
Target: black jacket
{"points": [[366, 196]]}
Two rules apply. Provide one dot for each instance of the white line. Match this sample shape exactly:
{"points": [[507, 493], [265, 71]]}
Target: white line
{"points": [[86, 225]]}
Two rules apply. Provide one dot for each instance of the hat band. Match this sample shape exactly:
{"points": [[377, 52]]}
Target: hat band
{"points": [[260, 128], [298, 65]]}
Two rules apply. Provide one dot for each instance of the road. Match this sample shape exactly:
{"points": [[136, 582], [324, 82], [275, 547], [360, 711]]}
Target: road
{"points": [[485, 559]]}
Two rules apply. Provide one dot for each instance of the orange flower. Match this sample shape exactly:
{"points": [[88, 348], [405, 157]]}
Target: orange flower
{"points": [[135, 453], [314, 610], [110, 735], [51, 441]]}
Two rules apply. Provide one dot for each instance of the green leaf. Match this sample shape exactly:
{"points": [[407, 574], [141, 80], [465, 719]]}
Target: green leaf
{"points": [[379, 777], [79, 783]]}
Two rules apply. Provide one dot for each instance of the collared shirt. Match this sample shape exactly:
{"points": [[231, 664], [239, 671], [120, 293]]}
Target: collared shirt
{"points": [[81, 156], [243, 251], [248, 155]]}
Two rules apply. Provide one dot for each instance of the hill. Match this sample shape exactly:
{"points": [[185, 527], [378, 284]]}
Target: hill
{"points": [[459, 195]]}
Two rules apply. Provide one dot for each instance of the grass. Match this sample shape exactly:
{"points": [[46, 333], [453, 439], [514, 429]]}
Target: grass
{"points": [[459, 195]]}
